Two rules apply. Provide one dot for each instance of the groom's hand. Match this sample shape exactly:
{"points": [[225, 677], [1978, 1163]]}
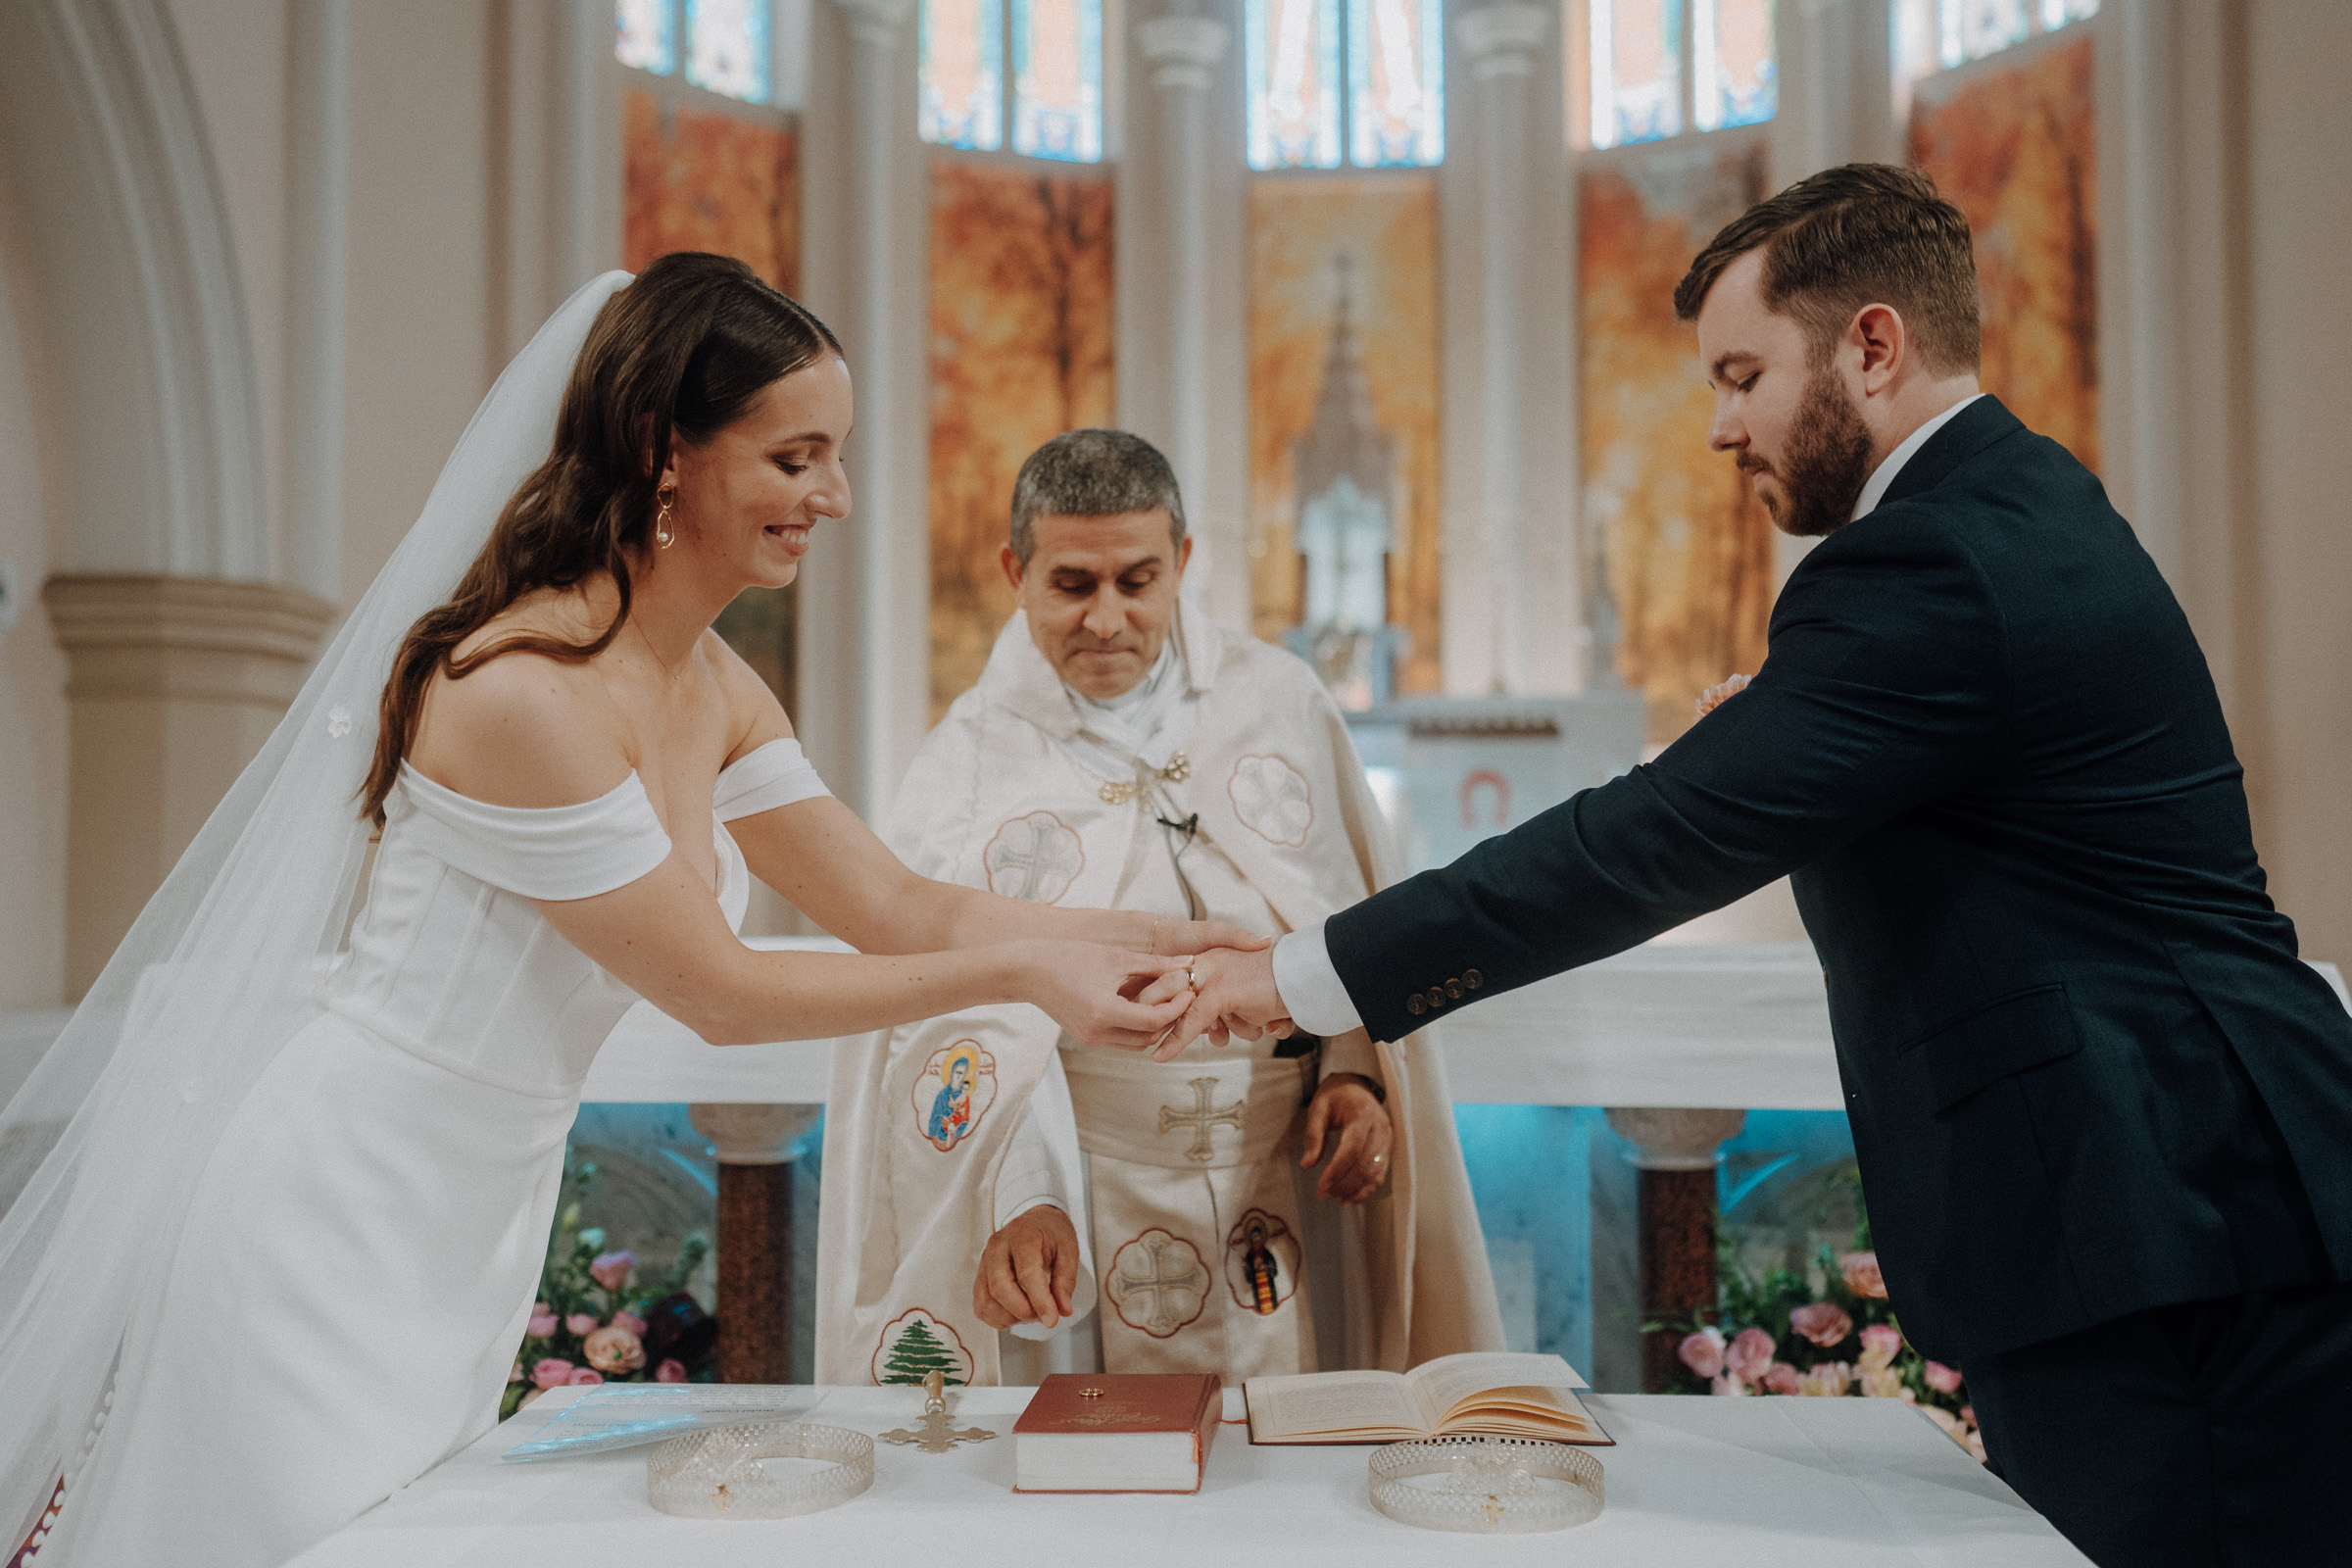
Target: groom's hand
{"points": [[1233, 995]]}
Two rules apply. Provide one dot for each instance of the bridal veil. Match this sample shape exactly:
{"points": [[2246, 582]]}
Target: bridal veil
{"points": [[100, 1148]]}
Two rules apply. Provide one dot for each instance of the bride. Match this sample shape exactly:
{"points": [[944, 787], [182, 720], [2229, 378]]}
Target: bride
{"points": [[277, 1200]]}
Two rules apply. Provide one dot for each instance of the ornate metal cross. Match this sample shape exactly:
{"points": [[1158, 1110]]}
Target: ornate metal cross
{"points": [[935, 1435], [1159, 1282], [1201, 1118]]}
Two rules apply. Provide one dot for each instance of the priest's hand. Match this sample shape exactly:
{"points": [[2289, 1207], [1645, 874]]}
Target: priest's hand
{"points": [[1028, 1270], [1347, 1116], [1233, 995]]}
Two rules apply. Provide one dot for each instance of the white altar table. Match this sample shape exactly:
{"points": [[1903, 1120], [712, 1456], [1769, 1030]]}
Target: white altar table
{"points": [[1693, 1480]]}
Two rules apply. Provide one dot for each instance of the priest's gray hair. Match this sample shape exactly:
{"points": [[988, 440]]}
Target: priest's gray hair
{"points": [[1093, 473]]}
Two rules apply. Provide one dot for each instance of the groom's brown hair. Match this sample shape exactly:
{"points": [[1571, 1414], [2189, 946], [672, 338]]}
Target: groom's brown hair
{"points": [[1859, 235]]}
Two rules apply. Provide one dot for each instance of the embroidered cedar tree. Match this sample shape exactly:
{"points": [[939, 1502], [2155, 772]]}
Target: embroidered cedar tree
{"points": [[917, 1354]]}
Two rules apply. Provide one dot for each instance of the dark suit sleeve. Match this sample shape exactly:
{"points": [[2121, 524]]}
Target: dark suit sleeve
{"points": [[1886, 687]]}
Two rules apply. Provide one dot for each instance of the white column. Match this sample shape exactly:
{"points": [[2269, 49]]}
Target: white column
{"points": [[1501, 41], [2141, 37], [1185, 52], [869, 327], [318, 201]]}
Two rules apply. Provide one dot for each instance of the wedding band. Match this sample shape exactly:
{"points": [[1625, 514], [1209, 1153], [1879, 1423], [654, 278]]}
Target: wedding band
{"points": [[1189, 983]]}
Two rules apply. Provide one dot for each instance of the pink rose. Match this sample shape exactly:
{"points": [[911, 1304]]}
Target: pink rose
{"points": [[1779, 1378], [1862, 1276], [1749, 1353], [1729, 1386], [1824, 1325], [1702, 1352], [581, 1323], [613, 1349], [1715, 696], [612, 1269], [584, 1376], [671, 1371], [542, 1323], [630, 1321], [1827, 1379], [1881, 1343], [551, 1373], [1942, 1379]]}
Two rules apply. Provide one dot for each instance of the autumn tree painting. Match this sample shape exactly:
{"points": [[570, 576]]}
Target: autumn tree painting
{"points": [[1021, 350]]}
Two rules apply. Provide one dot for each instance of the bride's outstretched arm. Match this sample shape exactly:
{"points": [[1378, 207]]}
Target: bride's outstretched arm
{"points": [[664, 937]]}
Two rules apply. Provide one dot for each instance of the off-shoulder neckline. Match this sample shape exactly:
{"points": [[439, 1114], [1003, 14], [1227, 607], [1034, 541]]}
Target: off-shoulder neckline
{"points": [[410, 772]]}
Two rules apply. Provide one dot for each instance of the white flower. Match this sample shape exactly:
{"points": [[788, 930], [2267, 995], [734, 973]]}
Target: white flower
{"points": [[338, 722]]}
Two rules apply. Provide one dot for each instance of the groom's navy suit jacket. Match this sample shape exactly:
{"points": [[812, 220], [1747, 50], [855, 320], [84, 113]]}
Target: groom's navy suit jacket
{"points": [[2086, 1071]]}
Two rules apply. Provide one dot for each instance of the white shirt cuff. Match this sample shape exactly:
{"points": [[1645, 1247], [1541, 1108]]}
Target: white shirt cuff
{"points": [[1309, 986]]}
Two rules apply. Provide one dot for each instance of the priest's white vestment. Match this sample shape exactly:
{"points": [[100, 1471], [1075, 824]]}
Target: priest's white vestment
{"points": [[1177, 1177]]}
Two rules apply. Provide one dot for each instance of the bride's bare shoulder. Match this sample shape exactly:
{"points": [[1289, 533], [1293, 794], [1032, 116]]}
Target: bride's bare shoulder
{"points": [[524, 728]]}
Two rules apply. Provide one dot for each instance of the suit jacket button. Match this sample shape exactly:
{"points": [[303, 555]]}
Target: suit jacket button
{"points": [[1453, 989], [1415, 1005], [1436, 994], [1473, 979]]}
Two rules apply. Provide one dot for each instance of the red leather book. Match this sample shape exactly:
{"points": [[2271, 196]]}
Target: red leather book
{"points": [[1117, 1432]]}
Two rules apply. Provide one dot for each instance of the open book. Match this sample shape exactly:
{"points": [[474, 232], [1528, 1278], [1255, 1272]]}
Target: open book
{"points": [[1489, 1391]]}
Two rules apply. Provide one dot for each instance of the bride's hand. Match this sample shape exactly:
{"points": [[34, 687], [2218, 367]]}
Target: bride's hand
{"points": [[1105, 996], [1187, 937]]}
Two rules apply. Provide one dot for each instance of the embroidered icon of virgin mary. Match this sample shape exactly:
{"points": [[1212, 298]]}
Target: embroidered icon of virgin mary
{"points": [[952, 1092]]}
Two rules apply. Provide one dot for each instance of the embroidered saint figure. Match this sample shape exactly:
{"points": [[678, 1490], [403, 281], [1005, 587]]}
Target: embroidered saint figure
{"points": [[952, 1106], [952, 1092], [1262, 1268]]}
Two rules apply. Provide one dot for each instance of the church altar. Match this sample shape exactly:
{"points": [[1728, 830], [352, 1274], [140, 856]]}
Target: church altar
{"points": [[1758, 1482]]}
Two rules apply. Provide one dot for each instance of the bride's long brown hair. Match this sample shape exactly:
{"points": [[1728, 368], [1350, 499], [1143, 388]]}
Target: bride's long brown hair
{"points": [[687, 348]]}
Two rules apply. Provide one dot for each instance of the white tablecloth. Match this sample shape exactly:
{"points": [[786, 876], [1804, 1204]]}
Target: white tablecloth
{"points": [[1741, 1482]]}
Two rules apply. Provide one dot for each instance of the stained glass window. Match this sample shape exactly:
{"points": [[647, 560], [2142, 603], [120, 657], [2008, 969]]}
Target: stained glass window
{"points": [[1637, 54], [1292, 58], [1731, 58], [648, 35], [1396, 83], [1931, 36], [1969, 30], [1057, 79], [728, 47], [960, 73]]}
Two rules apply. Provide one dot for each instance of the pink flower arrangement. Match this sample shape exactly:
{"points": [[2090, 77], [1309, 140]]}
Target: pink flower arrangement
{"points": [[584, 1376], [1702, 1352], [1825, 1379], [612, 1269], [1716, 696], [581, 1323], [1822, 1323], [1881, 1343], [1729, 1386], [1942, 1379], [671, 1371], [554, 1372], [1862, 1277], [1749, 1354], [542, 1323], [1779, 1378], [1882, 1382], [630, 1321], [614, 1349]]}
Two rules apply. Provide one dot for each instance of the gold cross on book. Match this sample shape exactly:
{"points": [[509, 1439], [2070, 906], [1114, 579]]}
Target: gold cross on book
{"points": [[935, 1435]]}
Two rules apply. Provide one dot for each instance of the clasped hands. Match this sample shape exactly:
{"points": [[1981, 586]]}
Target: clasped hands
{"points": [[1203, 977]]}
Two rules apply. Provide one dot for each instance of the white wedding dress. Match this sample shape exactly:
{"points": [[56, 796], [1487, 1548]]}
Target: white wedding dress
{"points": [[350, 1284]]}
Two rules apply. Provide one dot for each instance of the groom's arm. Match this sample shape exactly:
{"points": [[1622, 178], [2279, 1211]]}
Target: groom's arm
{"points": [[1886, 686]]}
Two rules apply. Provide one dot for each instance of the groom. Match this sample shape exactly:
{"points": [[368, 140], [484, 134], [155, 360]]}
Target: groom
{"points": [[2103, 1115]]}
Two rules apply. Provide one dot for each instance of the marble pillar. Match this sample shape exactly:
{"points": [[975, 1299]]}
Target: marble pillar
{"points": [[1499, 42], [173, 685], [755, 1148], [1676, 1151], [1184, 52]]}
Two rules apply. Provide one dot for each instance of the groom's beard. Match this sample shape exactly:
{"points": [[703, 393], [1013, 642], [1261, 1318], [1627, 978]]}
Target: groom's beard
{"points": [[1828, 461]]}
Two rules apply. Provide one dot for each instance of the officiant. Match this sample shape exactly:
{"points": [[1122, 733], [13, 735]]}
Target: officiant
{"points": [[1293, 1207]]}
